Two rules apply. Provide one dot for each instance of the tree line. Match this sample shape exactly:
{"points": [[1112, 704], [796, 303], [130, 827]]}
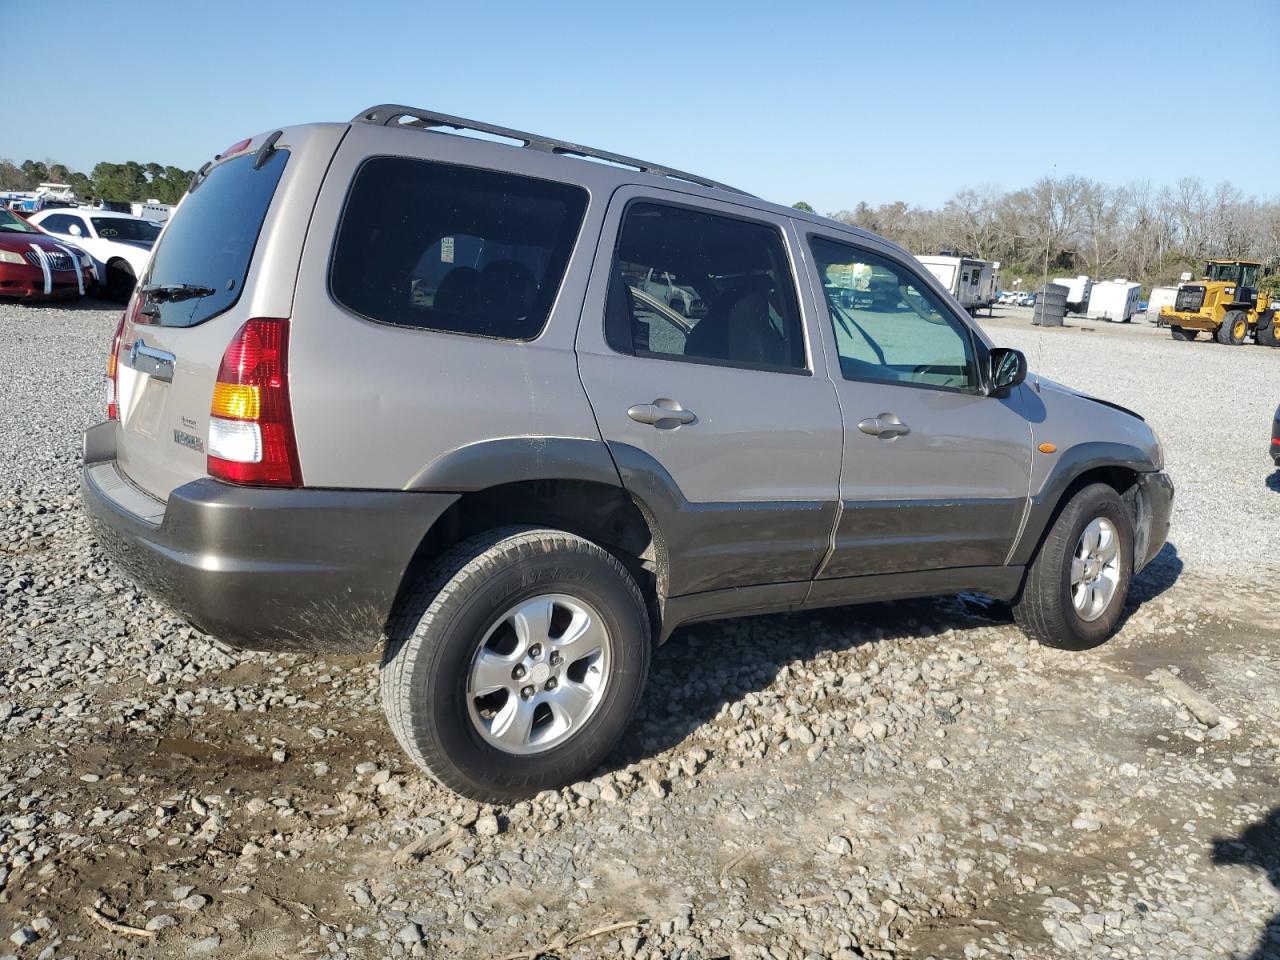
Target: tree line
{"points": [[116, 182], [1072, 225]]}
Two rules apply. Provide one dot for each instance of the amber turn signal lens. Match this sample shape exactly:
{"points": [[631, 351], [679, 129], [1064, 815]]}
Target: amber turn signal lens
{"points": [[236, 401], [1048, 448]]}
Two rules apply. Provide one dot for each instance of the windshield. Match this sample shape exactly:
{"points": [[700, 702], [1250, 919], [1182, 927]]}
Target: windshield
{"points": [[210, 241], [12, 223], [119, 228]]}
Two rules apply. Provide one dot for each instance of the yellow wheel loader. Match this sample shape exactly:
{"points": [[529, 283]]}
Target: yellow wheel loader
{"points": [[1226, 303]]}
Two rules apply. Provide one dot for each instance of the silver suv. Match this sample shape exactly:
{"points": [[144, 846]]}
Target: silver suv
{"points": [[388, 387]]}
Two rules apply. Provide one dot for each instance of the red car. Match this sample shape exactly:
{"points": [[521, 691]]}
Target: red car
{"points": [[36, 266]]}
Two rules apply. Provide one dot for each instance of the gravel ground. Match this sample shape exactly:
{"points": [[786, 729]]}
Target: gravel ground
{"points": [[893, 780]]}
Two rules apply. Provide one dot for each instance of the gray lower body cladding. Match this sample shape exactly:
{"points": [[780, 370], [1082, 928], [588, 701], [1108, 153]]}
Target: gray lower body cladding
{"points": [[261, 568]]}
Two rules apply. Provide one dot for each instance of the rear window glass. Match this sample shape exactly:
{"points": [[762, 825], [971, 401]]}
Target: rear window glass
{"points": [[455, 249], [209, 240]]}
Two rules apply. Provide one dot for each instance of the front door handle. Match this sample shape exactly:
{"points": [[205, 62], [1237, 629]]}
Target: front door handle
{"points": [[886, 426], [662, 413]]}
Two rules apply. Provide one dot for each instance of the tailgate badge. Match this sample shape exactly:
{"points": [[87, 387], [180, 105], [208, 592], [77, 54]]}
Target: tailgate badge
{"points": [[188, 440]]}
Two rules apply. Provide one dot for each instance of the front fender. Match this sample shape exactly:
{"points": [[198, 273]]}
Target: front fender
{"points": [[1072, 464]]}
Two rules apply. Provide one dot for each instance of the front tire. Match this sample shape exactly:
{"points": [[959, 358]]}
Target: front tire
{"points": [[518, 664], [1077, 584], [120, 281], [1232, 330]]}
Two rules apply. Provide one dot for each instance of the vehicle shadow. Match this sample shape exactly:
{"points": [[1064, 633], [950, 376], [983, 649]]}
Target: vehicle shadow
{"points": [[1156, 577], [705, 666], [1257, 846], [1273, 482]]}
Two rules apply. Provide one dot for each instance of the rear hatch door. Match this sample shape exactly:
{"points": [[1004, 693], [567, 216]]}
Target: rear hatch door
{"points": [[229, 252]]}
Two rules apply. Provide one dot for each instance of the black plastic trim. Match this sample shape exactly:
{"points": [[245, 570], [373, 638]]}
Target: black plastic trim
{"points": [[490, 463], [1002, 583], [1072, 464]]}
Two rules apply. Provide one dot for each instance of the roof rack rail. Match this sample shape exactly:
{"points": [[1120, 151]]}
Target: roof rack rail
{"points": [[395, 114]]}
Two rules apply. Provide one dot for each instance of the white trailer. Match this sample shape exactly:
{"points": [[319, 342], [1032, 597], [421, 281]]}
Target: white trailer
{"points": [[1077, 292], [989, 284], [1115, 300], [1160, 297], [963, 277], [152, 210]]}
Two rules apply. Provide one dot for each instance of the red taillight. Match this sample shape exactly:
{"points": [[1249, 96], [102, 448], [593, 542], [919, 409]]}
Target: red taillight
{"points": [[251, 437], [113, 373]]}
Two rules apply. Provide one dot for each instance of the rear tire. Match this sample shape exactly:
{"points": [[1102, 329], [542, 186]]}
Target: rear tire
{"points": [[1067, 568], [1232, 330], [1266, 332], [456, 632], [1181, 333]]}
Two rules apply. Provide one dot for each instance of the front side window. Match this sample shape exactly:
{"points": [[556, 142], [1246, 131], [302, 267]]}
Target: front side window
{"points": [[1249, 276], [705, 288], [454, 249], [888, 325]]}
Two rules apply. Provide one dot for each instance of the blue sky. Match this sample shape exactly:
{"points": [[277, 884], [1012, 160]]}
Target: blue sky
{"points": [[827, 102]]}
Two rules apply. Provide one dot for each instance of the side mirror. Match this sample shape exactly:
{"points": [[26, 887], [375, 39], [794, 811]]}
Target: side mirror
{"points": [[1008, 368], [75, 230]]}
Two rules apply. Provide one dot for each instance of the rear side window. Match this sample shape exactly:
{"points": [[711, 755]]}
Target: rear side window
{"points": [[454, 249], [209, 241], [704, 288]]}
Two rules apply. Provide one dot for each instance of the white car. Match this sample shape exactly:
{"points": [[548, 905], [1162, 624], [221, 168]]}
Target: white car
{"points": [[119, 243]]}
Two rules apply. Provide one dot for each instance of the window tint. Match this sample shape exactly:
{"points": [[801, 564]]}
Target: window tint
{"points": [[210, 239], [12, 223], [120, 228], [441, 247], [696, 286], [888, 326], [57, 223]]}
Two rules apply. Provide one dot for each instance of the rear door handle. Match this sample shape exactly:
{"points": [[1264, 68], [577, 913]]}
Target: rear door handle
{"points": [[886, 426], [663, 413]]}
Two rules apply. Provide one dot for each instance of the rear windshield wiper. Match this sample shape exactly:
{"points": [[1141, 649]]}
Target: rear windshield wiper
{"points": [[173, 292]]}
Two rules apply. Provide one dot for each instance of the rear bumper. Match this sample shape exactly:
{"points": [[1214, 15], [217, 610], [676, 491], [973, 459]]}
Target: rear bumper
{"points": [[1155, 507], [260, 568]]}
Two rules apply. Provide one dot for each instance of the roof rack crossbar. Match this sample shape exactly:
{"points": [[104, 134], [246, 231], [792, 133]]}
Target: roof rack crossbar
{"points": [[395, 114]]}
